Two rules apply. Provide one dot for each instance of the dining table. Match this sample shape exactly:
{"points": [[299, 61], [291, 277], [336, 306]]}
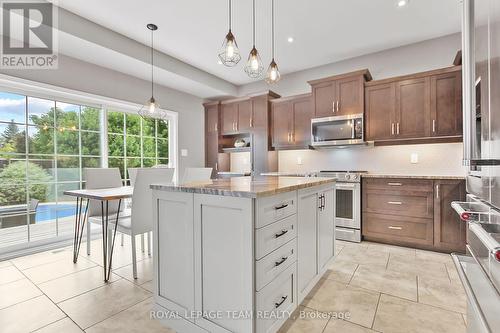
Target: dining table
{"points": [[104, 196]]}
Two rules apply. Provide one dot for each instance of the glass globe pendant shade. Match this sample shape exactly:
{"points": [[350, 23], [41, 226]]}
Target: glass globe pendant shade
{"points": [[254, 67], [273, 73], [151, 110], [229, 53]]}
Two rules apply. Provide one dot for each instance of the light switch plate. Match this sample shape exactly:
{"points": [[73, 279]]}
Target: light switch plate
{"points": [[414, 158], [299, 160], [184, 152]]}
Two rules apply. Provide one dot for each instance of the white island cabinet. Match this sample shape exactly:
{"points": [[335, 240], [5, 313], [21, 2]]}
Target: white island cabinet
{"points": [[239, 254]]}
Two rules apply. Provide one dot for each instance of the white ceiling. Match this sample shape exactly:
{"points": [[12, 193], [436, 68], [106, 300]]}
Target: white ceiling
{"points": [[325, 31]]}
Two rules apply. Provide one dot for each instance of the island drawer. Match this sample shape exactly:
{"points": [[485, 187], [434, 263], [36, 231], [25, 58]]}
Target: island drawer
{"points": [[274, 208], [267, 268], [276, 300], [272, 236]]}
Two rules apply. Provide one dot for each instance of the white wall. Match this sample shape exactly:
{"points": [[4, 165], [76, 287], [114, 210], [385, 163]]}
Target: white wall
{"points": [[86, 77], [438, 159]]}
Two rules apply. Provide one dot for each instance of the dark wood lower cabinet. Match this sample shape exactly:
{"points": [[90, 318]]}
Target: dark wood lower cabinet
{"points": [[413, 212], [449, 230]]}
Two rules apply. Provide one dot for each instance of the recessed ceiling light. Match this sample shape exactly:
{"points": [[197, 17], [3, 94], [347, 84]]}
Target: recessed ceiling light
{"points": [[402, 3], [290, 39]]}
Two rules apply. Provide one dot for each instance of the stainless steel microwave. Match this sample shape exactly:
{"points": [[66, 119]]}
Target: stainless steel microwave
{"points": [[337, 131]]}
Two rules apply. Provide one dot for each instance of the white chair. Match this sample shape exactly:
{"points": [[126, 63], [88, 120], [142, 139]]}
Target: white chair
{"points": [[141, 219], [196, 175], [99, 178]]}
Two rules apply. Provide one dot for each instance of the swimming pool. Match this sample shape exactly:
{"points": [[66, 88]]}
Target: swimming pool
{"points": [[49, 212]]}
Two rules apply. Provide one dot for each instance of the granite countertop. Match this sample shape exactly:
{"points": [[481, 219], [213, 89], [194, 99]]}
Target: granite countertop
{"points": [[290, 174], [376, 175], [246, 187]]}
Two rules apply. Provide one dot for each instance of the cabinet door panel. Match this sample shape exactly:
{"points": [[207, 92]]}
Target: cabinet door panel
{"points": [[326, 229], [307, 239], [175, 245], [446, 104], [212, 119], [349, 95], [282, 113], [223, 238], [449, 230], [244, 116], [412, 108], [302, 122], [380, 111], [228, 117], [324, 97]]}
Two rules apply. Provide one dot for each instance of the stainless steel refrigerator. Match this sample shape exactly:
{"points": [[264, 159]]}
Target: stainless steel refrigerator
{"points": [[479, 269]]}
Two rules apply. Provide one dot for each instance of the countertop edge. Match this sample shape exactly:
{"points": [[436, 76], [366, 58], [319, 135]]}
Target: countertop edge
{"points": [[239, 193], [374, 175]]}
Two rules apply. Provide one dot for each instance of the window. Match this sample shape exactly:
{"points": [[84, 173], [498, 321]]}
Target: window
{"points": [[44, 144], [134, 142]]}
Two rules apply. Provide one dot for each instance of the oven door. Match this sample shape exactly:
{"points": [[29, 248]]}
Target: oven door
{"points": [[347, 197]]}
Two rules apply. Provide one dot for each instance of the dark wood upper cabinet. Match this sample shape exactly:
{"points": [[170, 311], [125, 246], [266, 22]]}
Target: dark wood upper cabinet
{"points": [[446, 104], [449, 230], [380, 112], [291, 122], [419, 108], [245, 112], [349, 93], [229, 117], [412, 108], [302, 114], [281, 124], [324, 99], [340, 94]]}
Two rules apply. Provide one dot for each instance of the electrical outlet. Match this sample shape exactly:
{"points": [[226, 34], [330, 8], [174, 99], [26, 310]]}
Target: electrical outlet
{"points": [[184, 152], [299, 160], [414, 158]]}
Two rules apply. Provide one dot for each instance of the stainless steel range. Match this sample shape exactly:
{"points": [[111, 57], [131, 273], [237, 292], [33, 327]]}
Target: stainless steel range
{"points": [[348, 204]]}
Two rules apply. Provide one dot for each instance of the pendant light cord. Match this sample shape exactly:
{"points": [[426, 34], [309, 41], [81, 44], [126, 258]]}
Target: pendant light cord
{"points": [[152, 65], [253, 23], [230, 12], [272, 27]]}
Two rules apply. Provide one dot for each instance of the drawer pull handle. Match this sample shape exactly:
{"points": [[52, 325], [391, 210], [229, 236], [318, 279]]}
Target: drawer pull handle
{"points": [[277, 263], [394, 184], [280, 234], [281, 207], [395, 228], [283, 299], [394, 202]]}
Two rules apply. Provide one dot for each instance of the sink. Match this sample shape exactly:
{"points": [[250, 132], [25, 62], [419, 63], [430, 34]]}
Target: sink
{"points": [[491, 228]]}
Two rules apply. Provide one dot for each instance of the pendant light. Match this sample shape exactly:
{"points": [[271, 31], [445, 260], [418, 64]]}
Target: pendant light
{"points": [[254, 67], [273, 74], [229, 53], [151, 109]]}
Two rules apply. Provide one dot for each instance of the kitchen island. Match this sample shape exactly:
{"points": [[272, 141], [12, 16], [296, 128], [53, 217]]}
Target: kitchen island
{"points": [[239, 254]]}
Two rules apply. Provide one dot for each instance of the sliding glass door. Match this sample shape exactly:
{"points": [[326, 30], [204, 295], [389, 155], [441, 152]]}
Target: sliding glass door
{"points": [[44, 144]]}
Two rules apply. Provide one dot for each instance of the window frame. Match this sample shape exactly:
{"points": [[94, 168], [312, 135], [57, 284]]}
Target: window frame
{"points": [[34, 89]]}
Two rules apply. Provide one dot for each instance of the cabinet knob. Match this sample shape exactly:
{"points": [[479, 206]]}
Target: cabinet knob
{"points": [[433, 125], [392, 128], [437, 191], [397, 128], [338, 106], [333, 106], [395, 228]]}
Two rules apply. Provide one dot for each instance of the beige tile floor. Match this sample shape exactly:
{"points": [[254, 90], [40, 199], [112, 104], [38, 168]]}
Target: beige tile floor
{"points": [[378, 288]]}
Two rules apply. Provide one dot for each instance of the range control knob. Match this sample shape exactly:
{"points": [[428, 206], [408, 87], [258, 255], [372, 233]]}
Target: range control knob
{"points": [[354, 177]]}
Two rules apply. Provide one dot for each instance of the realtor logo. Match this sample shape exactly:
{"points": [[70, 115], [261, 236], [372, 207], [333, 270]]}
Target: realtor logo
{"points": [[28, 35]]}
